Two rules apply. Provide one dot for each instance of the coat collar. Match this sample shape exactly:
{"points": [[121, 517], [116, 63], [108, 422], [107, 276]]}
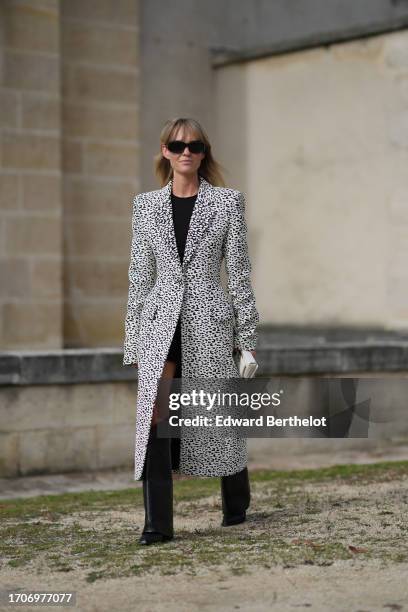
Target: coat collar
{"points": [[203, 212]]}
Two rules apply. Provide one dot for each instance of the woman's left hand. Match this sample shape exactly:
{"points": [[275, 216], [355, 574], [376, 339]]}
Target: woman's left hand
{"points": [[235, 350]]}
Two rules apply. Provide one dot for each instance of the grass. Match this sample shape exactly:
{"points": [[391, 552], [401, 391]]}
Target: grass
{"points": [[296, 517]]}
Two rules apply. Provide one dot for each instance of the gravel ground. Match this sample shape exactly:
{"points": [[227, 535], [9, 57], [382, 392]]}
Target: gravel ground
{"points": [[345, 586], [333, 539]]}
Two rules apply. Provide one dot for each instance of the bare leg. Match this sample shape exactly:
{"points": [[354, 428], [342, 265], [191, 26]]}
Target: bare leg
{"points": [[161, 404]]}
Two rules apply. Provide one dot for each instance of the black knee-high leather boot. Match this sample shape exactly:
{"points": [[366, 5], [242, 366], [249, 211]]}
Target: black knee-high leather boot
{"points": [[235, 496], [157, 491]]}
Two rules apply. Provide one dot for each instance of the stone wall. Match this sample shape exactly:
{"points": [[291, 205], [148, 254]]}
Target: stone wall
{"points": [[49, 429], [31, 248], [75, 410], [315, 137], [69, 90], [101, 148]]}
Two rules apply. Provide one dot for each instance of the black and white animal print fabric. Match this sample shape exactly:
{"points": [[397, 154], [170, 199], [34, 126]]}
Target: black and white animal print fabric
{"points": [[161, 288]]}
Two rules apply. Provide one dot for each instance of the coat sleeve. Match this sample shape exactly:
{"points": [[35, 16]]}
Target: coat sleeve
{"points": [[142, 276], [238, 268]]}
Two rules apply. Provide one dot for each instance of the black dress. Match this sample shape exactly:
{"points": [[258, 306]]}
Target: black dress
{"points": [[182, 210]]}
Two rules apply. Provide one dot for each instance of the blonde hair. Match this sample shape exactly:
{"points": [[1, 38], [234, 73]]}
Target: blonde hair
{"points": [[209, 168]]}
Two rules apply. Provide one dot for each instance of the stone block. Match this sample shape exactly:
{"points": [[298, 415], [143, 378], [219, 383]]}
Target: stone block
{"points": [[108, 159], [15, 278], [52, 451], [25, 324], [117, 12], [99, 278], [31, 151], [31, 235], [115, 446], [46, 278], [100, 83], [85, 120], [99, 237], [32, 72], [72, 156], [9, 105], [40, 112], [41, 192], [32, 26], [9, 198], [85, 196], [97, 324], [90, 42]]}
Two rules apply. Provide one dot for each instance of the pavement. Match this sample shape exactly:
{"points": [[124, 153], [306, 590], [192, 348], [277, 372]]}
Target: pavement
{"points": [[116, 479]]}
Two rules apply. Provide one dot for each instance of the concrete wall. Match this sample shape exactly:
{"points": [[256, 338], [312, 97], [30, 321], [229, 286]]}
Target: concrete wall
{"points": [[318, 140], [182, 42]]}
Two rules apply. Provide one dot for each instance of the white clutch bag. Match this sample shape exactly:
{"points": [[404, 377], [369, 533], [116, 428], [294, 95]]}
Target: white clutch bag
{"points": [[246, 363]]}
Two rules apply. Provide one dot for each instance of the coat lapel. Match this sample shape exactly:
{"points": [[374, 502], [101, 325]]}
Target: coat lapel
{"points": [[202, 214]]}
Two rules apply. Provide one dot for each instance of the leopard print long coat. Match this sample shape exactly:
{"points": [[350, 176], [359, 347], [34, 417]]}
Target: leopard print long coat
{"points": [[212, 323]]}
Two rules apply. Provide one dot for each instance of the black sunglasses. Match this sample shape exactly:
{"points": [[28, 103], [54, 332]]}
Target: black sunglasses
{"points": [[178, 146]]}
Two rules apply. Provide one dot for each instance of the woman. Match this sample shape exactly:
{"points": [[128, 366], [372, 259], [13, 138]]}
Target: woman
{"points": [[180, 323]]}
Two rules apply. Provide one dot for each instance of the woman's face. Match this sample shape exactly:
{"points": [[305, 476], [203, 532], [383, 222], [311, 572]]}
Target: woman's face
{"points": [[185, 163]]}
